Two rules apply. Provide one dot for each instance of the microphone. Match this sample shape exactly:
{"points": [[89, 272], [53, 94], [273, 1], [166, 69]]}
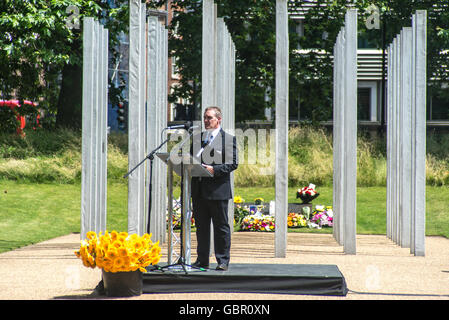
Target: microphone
{"points": [[179, 126], [188, 125]]}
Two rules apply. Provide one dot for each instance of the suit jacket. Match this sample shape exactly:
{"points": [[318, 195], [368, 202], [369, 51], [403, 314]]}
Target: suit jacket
{"points": [[221, 153]]}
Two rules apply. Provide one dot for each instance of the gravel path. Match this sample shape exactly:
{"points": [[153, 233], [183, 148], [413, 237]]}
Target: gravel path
{"points": [[380, 270]]}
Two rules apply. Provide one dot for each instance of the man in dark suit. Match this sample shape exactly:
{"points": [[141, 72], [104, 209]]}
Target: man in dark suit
{"points": [[217, 151]]}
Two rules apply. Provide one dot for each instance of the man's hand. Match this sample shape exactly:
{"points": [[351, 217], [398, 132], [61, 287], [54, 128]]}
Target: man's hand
{"points": [[209, 168]]}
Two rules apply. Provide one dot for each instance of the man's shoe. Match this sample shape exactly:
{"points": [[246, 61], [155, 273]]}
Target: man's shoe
{"points": [[222, 267], [198, 264]]}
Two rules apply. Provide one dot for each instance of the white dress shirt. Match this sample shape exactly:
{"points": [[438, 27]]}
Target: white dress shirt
{"points": [[210, 136]]}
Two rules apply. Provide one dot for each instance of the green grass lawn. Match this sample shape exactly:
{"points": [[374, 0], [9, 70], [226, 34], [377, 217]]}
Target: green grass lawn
{"points": [[31, 213]]}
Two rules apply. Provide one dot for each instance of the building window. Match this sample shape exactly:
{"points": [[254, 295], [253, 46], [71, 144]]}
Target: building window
{"points": [[174, 68], [365, 40], [367, 101], [363, 103], [438, 104]]}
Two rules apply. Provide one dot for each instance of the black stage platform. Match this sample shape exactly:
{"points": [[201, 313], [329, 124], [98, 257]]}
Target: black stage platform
{"points": [[313, 279]]}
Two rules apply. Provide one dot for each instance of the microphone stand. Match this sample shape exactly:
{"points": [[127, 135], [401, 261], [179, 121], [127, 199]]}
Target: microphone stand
{"points": [[150, 185]]}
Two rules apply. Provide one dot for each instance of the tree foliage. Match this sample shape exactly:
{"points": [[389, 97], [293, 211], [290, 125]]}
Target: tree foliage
{"points": [[313, 70], [185, 44], [252, 26], [40, 50], [41, 57]]}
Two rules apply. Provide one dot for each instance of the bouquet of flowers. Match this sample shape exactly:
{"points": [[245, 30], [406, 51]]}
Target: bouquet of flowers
{"points": [[240, 212], [118, 252], [256, 222], [258, 204], [177, 221], [177, 216], [296, 220], [307, 194], [238, 199], [322, 217]]}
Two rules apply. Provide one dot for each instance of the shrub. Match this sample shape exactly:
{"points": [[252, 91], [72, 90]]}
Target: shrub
{"points": [[55, 156]]}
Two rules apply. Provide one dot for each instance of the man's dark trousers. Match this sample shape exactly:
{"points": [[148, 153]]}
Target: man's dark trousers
{"points": [[216, 210]]}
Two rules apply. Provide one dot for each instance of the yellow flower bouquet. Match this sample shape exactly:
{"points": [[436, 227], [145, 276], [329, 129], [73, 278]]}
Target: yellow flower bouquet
{"points": [[118, 252], [295, 220]]}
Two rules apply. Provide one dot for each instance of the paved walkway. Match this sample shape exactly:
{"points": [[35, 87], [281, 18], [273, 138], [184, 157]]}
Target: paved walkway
{"points": [[379, 270]]}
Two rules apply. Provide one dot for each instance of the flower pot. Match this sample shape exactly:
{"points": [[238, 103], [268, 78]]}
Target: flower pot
{"points": [[122, 284], [306, 199]]}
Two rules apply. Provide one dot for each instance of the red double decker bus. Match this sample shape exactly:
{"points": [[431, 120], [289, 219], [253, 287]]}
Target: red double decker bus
{"points": [[18, 109]]}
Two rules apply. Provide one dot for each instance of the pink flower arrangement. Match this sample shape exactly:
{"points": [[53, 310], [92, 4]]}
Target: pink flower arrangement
{"points": [[256, 222], [322, 217]]}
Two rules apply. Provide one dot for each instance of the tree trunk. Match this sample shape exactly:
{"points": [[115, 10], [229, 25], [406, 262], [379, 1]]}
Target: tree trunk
{"points": [[69, 112]]}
